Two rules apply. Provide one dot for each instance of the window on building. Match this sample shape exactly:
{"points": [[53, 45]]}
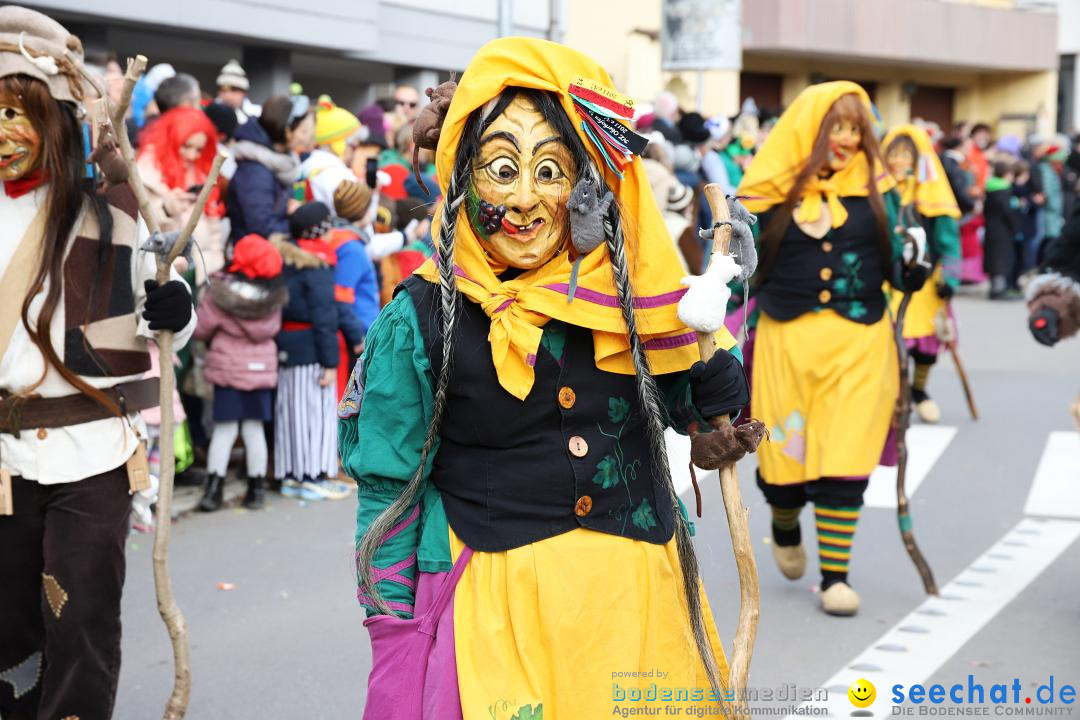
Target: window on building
{"points": [[934, 104]]}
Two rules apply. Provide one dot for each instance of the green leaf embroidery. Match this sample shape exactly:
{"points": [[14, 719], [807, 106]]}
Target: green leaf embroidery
{"points": [[841, 286], [618, 409], [643, 516], [856, 310], [530, 712], [607, 472]]}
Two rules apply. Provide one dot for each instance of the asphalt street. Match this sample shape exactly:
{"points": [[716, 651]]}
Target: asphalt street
{"points": [[276, 631]]}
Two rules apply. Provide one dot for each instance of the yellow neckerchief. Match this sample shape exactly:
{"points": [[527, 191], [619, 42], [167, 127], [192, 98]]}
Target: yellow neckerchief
{"points": [[785, 151], [519, 308], [929, 188]]}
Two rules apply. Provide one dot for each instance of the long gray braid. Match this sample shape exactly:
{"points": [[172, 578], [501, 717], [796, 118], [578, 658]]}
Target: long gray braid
{"points": [[449, 297], [652, 407]]}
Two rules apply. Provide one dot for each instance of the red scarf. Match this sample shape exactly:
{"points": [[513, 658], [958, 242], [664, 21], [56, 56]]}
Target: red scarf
{"points": [[27, 183], [320, 249]]}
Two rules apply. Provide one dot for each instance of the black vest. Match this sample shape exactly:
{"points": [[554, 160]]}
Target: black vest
{"points": [[573, 454], [842, 271]]}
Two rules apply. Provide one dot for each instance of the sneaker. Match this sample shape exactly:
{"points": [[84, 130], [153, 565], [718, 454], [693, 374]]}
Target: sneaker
{"points": [[340, 486], [290, 488], [325, 489], [308, 492]]}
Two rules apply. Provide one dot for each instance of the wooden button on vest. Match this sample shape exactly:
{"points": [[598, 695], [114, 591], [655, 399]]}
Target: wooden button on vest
{"points": [[826, 246], [583, 506], [824, 296], [578, 446], [825, 274], [42, 433], [567, 398]]}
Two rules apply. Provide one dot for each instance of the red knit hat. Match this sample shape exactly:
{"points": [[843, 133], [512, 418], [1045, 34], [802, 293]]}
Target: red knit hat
{"points": [[256, 257]]}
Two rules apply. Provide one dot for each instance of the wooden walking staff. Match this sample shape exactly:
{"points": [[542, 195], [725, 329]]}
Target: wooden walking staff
{"points": [[902, 419], [714, 450], [177, 705]]}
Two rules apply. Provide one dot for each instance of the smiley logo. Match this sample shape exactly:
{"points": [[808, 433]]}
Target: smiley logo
{"points": [[862, 693]]}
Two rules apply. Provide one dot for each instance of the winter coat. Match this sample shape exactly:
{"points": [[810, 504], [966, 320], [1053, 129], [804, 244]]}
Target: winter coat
{"points": [[310, 319], [960, 180], [355, 281], [1054, 207], [239, 320], [1001, 228], [258, 194]]}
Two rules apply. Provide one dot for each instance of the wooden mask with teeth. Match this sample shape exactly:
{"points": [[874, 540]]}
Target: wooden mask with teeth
{"points": [[523, 174]]}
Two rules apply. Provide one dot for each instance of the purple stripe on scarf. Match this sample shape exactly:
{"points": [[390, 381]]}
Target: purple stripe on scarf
{"points": [[669, 343], [599, 298], [400, 607], [530, 360], [505, 305]]}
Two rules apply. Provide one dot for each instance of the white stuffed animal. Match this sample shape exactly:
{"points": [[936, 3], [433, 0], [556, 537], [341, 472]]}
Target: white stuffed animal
{"points": [[704, 306]]}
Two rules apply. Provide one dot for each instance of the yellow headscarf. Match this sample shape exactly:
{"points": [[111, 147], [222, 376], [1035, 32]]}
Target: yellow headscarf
{"points": [[787, 148], [520, 308], [931, 193]]}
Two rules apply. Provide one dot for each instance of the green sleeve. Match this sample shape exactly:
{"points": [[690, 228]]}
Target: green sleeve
{"points": [[380, 447], [946, 247]]}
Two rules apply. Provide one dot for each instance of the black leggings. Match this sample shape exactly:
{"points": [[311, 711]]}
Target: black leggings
{"points": [[827, 491]]}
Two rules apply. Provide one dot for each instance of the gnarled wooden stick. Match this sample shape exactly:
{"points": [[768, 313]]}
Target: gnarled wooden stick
{"points": [[176, 707], [738, 515]]}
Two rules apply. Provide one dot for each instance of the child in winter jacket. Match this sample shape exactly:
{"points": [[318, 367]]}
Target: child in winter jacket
{"points": [[305, 418], [239, 317]]}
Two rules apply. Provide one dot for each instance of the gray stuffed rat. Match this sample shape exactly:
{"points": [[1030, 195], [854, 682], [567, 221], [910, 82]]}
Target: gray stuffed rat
{"points": [[742, 238], [587, 213]]}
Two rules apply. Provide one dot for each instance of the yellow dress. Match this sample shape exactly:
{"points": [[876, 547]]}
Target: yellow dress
{"points": [[568, 618], [925, 306], [825, 387]]}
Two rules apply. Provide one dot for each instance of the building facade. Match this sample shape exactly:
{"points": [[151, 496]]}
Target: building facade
{"points": [[994, 61]]}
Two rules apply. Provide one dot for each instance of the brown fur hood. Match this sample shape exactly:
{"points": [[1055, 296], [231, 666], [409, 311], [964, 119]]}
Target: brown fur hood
{"points": [[293, 255]]}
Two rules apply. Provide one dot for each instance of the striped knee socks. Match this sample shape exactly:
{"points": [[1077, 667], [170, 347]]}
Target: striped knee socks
{"points": [[835, 532], [785, 525], [922, 374]]}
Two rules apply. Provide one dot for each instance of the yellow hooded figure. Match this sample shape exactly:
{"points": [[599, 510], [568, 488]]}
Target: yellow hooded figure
{"points": [[926, 200], [506, 422], [825, 373]]}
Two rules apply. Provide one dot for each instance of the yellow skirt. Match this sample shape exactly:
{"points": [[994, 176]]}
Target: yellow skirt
{"points": [[562, 623], [825, 387], [924, 307]]}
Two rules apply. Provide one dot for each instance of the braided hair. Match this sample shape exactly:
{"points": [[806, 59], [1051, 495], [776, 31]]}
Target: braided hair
{"points": [[649, 396]]}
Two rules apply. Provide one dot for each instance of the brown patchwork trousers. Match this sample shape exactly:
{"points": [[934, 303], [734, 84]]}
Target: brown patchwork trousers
{"points": [[61, 577]]}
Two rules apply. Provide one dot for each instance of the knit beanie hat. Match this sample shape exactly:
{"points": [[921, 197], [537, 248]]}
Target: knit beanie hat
{"points": [[351, 200], [233, 75], [374, 120], [333, 125], [311, 220], [34, 44], [256, 257]]}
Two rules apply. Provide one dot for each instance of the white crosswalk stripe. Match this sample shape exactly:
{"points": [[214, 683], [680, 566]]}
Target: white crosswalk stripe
{"points": [[1056, 489], [926, 444]]}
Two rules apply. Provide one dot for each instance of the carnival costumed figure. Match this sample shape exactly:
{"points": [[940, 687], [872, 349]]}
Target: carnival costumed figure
{"points": [[926, 201], [825, 376], [509, 426], [80, 302]]}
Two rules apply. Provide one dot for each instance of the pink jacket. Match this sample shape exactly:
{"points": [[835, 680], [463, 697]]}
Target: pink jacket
{"points": [[239, 319]]}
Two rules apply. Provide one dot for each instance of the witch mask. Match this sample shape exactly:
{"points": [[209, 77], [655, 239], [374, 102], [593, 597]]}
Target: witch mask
{"points": [[523, 174], [20, 144]]}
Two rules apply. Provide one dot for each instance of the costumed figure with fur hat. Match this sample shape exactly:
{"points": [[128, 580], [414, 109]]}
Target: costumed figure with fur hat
{"points": [[506, 428], [1053, 296], [80, 303], [825, 374], [926, 201]]}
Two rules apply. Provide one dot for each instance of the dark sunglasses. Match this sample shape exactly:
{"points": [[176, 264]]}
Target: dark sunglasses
{"points": [[411, 104]]}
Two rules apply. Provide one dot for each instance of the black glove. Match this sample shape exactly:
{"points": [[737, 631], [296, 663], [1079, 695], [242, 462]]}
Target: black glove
{"points": [[719, 386], [945, 291], [168, 307], [913, 277], [1044, 326]]}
